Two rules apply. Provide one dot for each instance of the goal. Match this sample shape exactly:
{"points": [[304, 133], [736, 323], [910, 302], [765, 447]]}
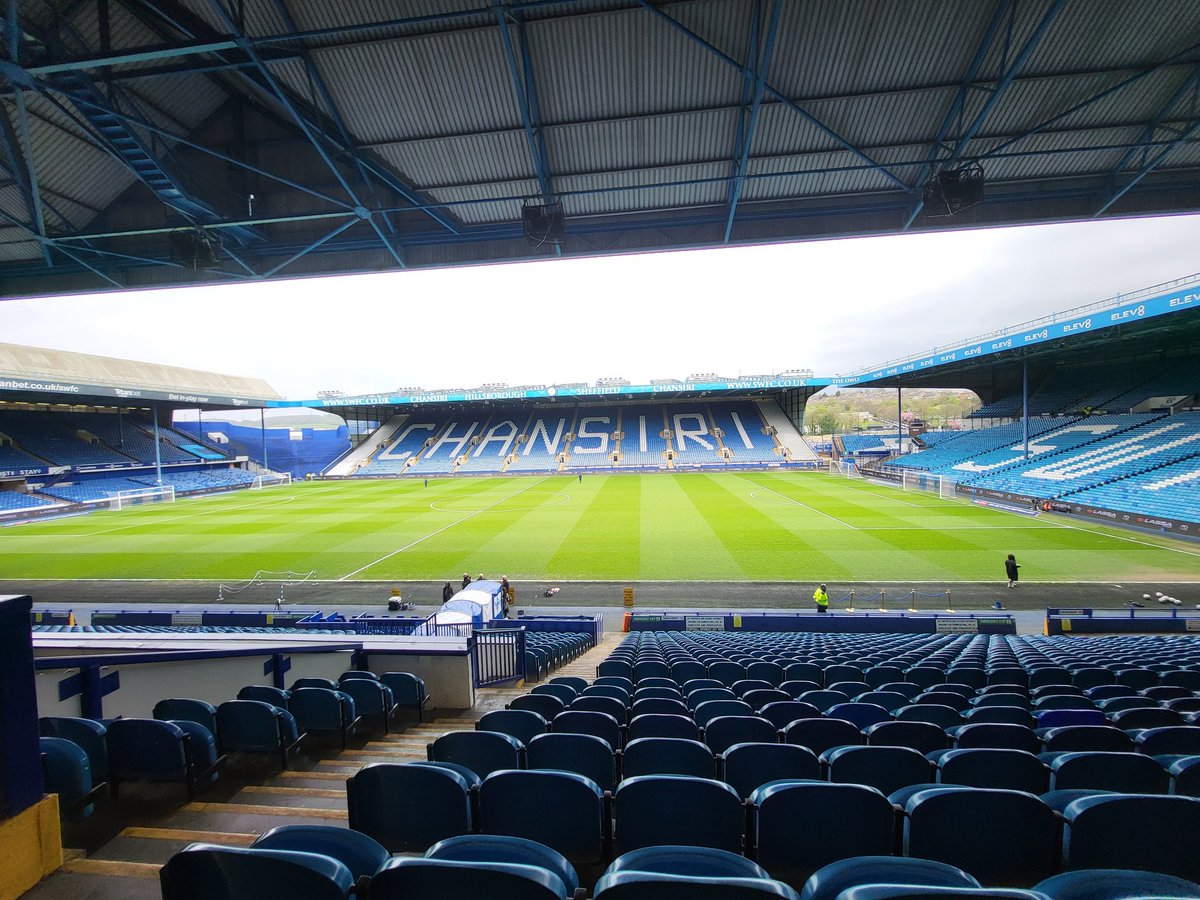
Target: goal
{"points": [[271, 479], [136, 497], [844, 467], [941, 485]]}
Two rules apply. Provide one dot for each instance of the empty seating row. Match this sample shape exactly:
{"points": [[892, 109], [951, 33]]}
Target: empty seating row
{"points": [[792, 827]]}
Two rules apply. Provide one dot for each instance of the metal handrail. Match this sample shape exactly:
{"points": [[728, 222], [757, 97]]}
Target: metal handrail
{"points": [[1044, 320]]}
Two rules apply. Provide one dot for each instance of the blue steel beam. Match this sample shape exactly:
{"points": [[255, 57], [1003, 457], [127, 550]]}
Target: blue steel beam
{"points": [[525, 90], [778, 95], [1148, 134], [312, 246], [746, 137], [182, 20], [1006, 80], [954, 113], [32, 191], [1148, 167], [318, 82]]}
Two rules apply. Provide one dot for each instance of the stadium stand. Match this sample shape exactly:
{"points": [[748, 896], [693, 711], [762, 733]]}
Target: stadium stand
{"points": [[743, 436], [495, 444], [972, 444], [545, 440], [409, 441], [593, 445], [642, 445], [11, 501]]}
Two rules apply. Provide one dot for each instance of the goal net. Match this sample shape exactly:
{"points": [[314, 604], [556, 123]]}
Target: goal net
{"points": [[946, 489], [844, 467], [921, 481], [137, 496], [271, 479]]}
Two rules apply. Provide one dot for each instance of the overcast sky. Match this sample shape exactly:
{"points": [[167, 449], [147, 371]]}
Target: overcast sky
{"points": [[832, 306]]}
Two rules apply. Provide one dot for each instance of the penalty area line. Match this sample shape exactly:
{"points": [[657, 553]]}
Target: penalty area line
{"points": [[438, 531], [806, 506]]}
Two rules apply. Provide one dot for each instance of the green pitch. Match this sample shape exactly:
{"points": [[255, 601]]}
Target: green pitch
{"points": [[755, 526]]}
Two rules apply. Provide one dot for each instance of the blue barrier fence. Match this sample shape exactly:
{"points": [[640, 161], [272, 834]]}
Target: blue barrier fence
{"points": [[852, 623], [1131, 620], [498, 656]]}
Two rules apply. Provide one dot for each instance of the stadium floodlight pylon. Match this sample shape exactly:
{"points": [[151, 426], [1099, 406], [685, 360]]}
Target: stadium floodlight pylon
{"points": [[163, 493], [271, 479]]}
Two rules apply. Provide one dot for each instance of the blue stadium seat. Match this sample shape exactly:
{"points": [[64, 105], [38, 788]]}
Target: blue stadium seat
{"points": [[67, 772], [860, 715], [154, 751], [197, 711], [1000, 837], [251, 726], [409, 806], [618, 709], [725, 731], [670, 809], [91, 737], [1176, 739], [483, 752], [667, 756], [598, 724], [322, 710], [583, 754], [1116, 884], [785, 712], [764, 696], [360, 853], [266, 694], [521, 724], [371, 698], [653, 886], [210, 872], [1059, 718], [823, 700], [711, 709], [544, 705], [1012, 770], [674, 859], [563, 692], [562, 810], [942, 716], [658, 706], [920, 736], [443, 879], [747, 767], [828, 882], [886, 769], [667, 726], [408, 692], [498, 848], [579, 685], [796, 835], [819, 735], [1185, 776], [1133, 831], [1131, 773], [921, 892], [1148, 717], [1000, 737]]}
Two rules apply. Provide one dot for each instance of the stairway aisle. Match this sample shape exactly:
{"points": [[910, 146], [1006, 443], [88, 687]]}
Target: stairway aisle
{"points": [[127, 865]]}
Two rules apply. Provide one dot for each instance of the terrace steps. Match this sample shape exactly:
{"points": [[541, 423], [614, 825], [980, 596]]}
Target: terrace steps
{"points": [[123, 857]]}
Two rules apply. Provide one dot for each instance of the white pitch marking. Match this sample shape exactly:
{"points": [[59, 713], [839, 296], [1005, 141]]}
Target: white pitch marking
{"points": [[809, 508], [439, 531], [1122, 537], [203, 512]]}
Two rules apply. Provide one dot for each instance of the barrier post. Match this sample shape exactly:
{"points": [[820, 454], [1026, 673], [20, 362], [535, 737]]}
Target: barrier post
{"points": [[850, 608], [949, 604], [912, 605], [883, 599]]}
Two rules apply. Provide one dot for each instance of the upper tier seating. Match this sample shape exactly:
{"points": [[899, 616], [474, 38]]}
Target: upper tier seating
{"points": [[11, 501], [743, 436], [593, 446], [642, 445]]}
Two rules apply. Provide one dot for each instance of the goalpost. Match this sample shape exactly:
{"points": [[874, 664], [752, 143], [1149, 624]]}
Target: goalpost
{"points": [[160, 494], [271, 479], [942, 485], [844, 467]]}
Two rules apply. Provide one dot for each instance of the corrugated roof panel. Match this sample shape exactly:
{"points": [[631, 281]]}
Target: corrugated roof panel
{"points": [[618, 64], [314, 15], [477, 204], [840, 172], [17, 250], [69, 165], [424, 87], [627, 191], [499, 156], [832, 47], [1052, 155], [184, 99], [636, 142], [862, 121], [261, 17], [1115, 34]]}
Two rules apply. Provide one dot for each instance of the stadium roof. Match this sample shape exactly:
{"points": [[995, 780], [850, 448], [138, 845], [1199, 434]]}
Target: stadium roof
{"points": [[304, 137], [32, 374]]}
